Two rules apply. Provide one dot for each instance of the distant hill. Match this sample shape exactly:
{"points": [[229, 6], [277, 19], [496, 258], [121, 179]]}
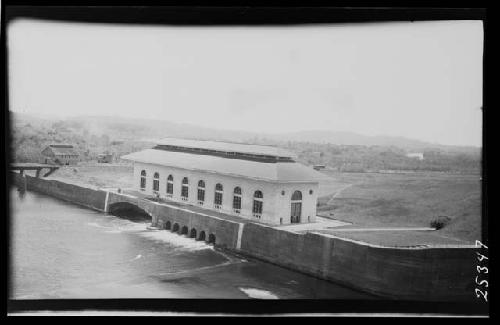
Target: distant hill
{"points": [[351, 138], [342, 151], [148, 130]]}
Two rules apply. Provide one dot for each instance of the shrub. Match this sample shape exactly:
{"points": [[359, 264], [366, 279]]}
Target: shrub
{"points": [[440, 222]]}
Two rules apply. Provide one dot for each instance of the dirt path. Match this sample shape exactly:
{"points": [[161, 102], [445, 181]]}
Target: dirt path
{"points": [[336, 194]]}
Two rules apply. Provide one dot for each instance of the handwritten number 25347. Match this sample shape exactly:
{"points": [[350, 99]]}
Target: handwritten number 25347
{"points": [[481, 269]]}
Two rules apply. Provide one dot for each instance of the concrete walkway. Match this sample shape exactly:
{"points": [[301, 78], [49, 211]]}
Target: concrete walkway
{"points": [[320, 224], [387, 229]]}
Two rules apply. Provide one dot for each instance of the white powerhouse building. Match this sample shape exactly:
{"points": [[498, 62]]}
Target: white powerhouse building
{"points": [[250, 181]]}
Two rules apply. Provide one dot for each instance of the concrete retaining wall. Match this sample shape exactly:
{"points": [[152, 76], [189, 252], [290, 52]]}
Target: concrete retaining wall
{"points": [[416, 274], [87, 197]]}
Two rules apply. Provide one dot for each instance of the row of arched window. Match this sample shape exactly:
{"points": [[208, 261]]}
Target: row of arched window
{"points": [[258, 197]]}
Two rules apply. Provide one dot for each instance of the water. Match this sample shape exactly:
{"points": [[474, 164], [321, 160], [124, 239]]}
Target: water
{"points": [[60, 250]]}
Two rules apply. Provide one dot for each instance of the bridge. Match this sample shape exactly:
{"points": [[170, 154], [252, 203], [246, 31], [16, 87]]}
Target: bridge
{"points": [[21, 167]]}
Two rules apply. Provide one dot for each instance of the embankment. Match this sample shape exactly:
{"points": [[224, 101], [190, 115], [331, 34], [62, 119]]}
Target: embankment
{"points": [[425, 274], [88, 197]]}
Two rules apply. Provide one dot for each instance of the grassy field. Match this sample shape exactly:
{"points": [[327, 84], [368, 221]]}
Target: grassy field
{"points": [[399, 200], [364, 199]]}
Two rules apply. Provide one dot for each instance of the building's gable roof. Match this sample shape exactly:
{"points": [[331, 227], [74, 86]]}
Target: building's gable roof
{"points": [[62, 149], [279, 171], [221, 146]]}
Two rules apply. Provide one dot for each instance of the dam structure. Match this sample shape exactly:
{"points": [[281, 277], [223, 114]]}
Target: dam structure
{"points": [[247, 199]]}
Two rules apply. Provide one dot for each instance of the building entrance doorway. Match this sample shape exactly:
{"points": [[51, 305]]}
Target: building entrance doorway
{"points": [[295, 217], [296, 208]]}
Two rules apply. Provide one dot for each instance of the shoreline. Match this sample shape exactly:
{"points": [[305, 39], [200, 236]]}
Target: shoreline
{"points": [[435, 274]]}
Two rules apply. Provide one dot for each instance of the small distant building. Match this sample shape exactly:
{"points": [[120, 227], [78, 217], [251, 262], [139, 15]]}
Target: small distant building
{"points": [[60, 154], [105, 158], [418, 155], [319, 167], [251, 181]]}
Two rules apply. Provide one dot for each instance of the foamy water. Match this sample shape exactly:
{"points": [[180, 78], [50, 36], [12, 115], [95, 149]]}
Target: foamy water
{"points": [[116, 225], [175, 239], [258, 293], [137, 257]]}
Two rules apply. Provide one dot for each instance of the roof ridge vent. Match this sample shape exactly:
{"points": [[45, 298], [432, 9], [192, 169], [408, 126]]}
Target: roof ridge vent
{"points": [[229, 148]]}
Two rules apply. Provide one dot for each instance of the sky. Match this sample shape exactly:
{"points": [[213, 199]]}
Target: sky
{"points": [[420, 80]]}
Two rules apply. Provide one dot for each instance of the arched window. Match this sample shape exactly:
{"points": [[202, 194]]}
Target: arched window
{"points": [[237, 199], [185, 189], [297, 196], [257, 204], [218, 196], [170, 185], [143, 180], [296, 208], [156, 182], [201, 192]]}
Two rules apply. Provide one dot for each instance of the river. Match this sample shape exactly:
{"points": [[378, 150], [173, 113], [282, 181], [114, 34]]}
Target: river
{"points": [[60, 250]]}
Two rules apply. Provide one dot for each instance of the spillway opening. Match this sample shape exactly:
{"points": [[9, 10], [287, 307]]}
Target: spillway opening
{"points": [[129, 211]]}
